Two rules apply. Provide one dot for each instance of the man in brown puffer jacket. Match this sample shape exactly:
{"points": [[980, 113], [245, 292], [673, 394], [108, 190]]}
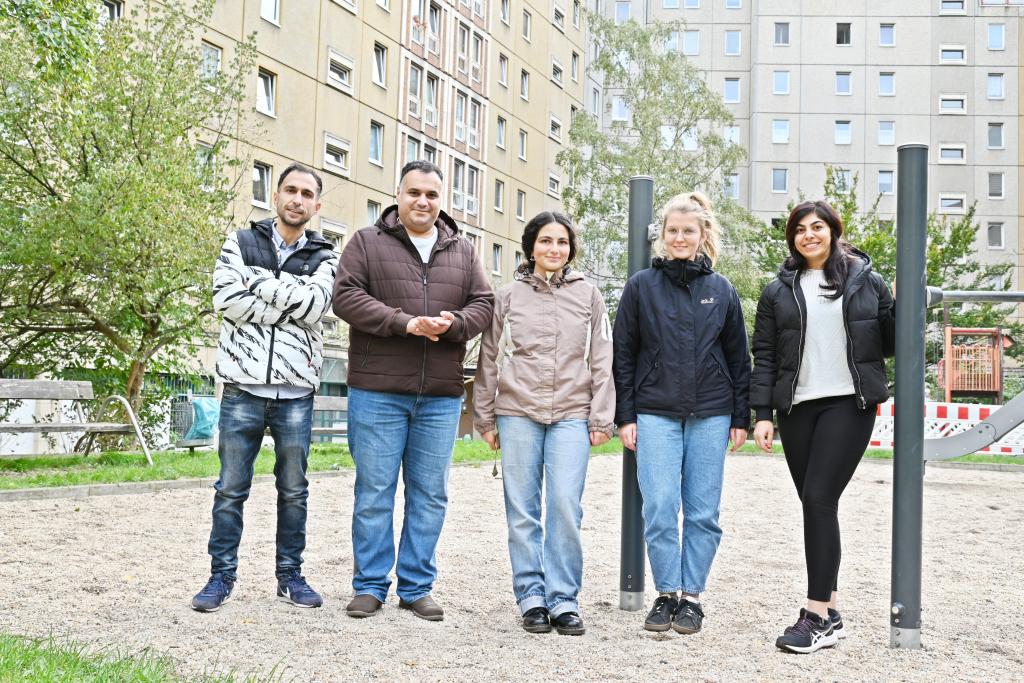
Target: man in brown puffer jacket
{"points": [[414, 292]]}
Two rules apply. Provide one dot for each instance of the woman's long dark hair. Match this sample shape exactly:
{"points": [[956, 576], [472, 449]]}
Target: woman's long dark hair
{"points": [[837, 263], [530, 238]]}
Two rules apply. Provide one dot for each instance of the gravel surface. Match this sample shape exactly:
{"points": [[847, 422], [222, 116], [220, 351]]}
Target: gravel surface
{"points": [[119, 571]]}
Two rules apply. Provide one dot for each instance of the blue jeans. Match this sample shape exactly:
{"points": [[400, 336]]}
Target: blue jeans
{"points": [[547, 564], [388, 432], [681, 461], [243, 420]]}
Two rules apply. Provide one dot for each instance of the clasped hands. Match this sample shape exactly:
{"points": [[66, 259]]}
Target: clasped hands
{"points": [[430, 326]]}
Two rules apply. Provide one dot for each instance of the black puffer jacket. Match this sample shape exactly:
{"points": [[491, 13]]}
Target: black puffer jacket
{"points": [[869, 315], [680, 345]]}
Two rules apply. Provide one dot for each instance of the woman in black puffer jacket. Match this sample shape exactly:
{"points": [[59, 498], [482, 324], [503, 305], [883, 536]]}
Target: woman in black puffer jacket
{"points": [[826, 305]]}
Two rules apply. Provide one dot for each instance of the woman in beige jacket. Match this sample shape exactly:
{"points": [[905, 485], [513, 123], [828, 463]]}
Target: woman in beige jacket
{"points": [[544, 394]]}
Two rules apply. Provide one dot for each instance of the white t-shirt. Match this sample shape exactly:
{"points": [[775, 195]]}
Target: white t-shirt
{"points": [[425, 244], [824, 369]]}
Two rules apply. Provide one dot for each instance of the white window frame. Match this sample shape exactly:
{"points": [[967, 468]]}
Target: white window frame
{"points": [[558, 18], [840, 137], [884, 172], [430, 95], [577, 12], [524, 143], [460, 115], [780, 131], [434, 28], [1002, 36], [881, 35], [1002, 86], [344, 64], [958, 54], [527, 25], [952, 99], [209, 51], [496, 258], [574, 67], [995, 125], [266, 177], [953, 149], [670, 4], [951, 7], [554, 187], [343, 148], [691, 4], [476, 114], [472, 190], [620, 110], [505, 11], [553, 123], [266, 92], [521, 205], [459, 185], [331, 228], [372, 211], [412, 143], [738, 35], [844, 179], [380, 65], [500, 132], [892, 75], [785, 178], [695, 49], [1002, 235], [499, 195], [622, 4], [886, 135], [731, 134], [557, 73], [524, 85], [849, 83], [1002, 185], [849, 28], [732, 185], [725, 91], [733, 4], [270, 10], [462, 41], [476, 56], [775, 34], [415, 87], [958, 202], [378, 160]]}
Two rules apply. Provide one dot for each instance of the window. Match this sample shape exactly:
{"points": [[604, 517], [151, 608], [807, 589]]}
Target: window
{"points": [[844, 179], [887, 84], [458, 185], [333, 232], [499, 136], [952, 6], [952, 54], [430, 101], [952, 154], [620, 110], [732, 185], [527, 24], [554, 186], [577, 12], [952, 203], [336, 152], [997, 36], [505, 11], [261, 175], [995, 235], [556, 73], [595, 102], [622, 12], [672, 42], [380, 64], [732, 89], [995, 87], [843, 33], [780, 83], [522, 144], [731, 134], [412, 149], [478, 8], [690, 140], [995, 185], [499, 196], [113, 10], [559, 19], [476, 57], [503, 70], [434, 28], [518, 259], [462, 49], [733, 4], [339, 71], [270, 10], [844, 83], [670, 4], [953, 104], [995, 136], [691, 43], [843, 133], [887, 35], [430, 154], [524, 84], [520, 205], [415, 88], [418, 22], [496, 259], [782, 33], [472, 195], [210, 60], [574, 67], [691, 4], [376, 143], [474, 124], [780, 180], [383, 4], [732, 43], [461, 103], [885, 179], [887, 132], [266, 87], [555, 128], [780, 131], [372, 211]]}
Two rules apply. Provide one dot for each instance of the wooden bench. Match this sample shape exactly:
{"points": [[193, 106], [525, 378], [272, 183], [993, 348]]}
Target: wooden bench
{"points": [[331, 403], [56, 390]]}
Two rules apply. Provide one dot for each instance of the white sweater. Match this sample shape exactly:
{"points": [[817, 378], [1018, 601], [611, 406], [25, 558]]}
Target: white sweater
{"points": [[824, 369]]}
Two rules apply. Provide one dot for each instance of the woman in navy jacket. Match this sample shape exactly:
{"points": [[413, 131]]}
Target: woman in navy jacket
{"points": [[682, 375]]}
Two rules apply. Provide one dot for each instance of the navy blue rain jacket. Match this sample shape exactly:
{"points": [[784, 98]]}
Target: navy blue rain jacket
{"points": [[680, 345]]}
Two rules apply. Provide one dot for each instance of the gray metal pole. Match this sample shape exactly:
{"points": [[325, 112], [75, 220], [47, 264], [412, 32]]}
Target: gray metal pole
{"points": [[631, 568], [908, 452]]}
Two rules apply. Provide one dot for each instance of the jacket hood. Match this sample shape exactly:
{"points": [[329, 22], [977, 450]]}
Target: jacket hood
{"points": [[525, 273], [683, 272], [447, 228], [859, 267], [313, 238]]}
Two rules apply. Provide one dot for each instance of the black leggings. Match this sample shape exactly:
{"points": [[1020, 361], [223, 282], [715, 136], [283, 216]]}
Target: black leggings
{"points": [[824, 440]]}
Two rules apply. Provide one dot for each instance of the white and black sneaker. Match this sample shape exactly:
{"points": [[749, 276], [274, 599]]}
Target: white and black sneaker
{"points": [[809, 633], [837, 623]]}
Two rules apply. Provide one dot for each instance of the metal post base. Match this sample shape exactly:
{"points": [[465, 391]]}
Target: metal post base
{"points": [[630, 601], [904, 638]]}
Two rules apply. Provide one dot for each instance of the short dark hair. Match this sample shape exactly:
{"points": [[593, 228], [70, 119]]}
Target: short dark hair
{"points": [[423, 167], [301, 168], [533, 228]]}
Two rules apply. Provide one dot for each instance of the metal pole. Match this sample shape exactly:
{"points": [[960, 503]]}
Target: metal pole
{"points": [[631, 568], [908, 452]]}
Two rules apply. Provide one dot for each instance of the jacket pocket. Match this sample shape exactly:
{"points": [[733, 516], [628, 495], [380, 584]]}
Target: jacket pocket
{"points": [[648, 373]]}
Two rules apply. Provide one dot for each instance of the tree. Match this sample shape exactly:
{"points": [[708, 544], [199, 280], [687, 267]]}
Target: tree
{"points": [[111, 209], [61, 34], [672, 131]]}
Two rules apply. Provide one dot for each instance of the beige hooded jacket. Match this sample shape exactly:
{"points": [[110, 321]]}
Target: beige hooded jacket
{"points": [[547, 355]]}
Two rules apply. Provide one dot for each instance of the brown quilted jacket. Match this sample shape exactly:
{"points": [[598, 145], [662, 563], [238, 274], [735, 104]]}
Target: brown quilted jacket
{"points": [[382, 284]]}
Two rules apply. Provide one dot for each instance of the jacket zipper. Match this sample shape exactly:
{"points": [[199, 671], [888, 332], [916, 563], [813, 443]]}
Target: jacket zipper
{"points": [[423, 367], [849, 357], [800, 347]]}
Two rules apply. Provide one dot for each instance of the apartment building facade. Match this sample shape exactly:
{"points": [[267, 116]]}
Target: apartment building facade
{"points": [[844, 82]]}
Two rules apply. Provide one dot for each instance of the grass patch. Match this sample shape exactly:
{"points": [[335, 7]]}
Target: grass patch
{"points": [[46, 660]]}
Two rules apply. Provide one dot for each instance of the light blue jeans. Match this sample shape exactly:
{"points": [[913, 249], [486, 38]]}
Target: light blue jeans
{"points": [[387, 433], [681, 461], [547, 562]]}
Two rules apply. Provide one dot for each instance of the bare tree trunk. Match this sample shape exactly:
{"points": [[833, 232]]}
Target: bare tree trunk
{"points": [[133, 388]]}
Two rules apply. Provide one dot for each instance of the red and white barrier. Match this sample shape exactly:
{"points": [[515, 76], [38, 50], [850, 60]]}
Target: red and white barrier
{"points": [[946, 419]]}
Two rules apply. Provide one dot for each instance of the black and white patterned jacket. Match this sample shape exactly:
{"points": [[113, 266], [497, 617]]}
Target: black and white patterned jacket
{"points": [[271, 332]]}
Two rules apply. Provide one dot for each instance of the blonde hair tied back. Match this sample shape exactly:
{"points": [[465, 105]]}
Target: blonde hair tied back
{"points": [[698, 204]]}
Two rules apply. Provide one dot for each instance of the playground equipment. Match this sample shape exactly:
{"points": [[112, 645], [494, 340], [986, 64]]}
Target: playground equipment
{"points": [[972, 362]]}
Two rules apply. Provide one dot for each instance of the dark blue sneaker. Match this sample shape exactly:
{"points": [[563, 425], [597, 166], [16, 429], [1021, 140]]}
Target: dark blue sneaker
{"points": [[294, 589], [837, 623], [215, 593]]}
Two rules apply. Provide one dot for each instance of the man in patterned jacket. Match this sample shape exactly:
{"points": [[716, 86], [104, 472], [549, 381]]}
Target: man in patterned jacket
{"points": [[272, 284]]}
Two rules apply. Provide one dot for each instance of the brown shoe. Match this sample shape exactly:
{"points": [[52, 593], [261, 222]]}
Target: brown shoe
{"points": [[424, 608], [363, 606]]}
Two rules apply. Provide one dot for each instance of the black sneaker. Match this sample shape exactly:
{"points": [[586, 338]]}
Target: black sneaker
{"points": [[215, 593], [689, 617], [294, 589], [660, 616], [837, 623], [809, 633]]}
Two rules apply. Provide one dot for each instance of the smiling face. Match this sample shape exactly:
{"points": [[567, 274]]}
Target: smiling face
{"points": [[813, 240], [296, 200], [681, 235], [419, 201], [551, 249]]}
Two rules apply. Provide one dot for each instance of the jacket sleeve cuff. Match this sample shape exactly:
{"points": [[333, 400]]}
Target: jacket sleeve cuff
{"points": [[401, 324], [763, 413], [606, 429], [741, 423], [484, 427], [625, 419]]}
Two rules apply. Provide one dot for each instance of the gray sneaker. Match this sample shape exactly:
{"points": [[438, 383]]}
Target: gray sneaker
{"points": [[689, 617]]}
